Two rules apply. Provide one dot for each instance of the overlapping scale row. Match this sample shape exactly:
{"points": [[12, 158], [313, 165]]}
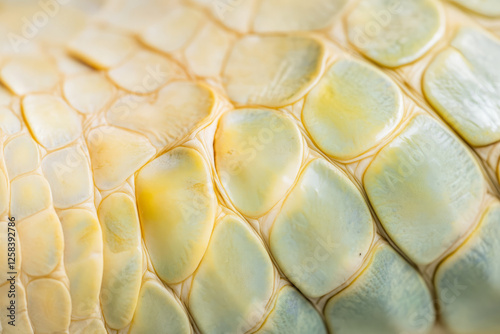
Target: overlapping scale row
{"points": [[457, 77], [251, 166], [35, 277]]}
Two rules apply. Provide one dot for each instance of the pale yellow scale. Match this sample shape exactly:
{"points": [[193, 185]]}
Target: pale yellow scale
{"points": [[8, 122], [21, 156], [93, 326], [4, 193], [353, 107], [101, 48], [181, 25], [88, 92], [29, 74], [176, 202], [122, 259], [257, 155], [23, 322], [271, 70], [207, 51], [44, 234], [51, 121], [116, 154], [69, 175], [179, 107], [47, 297], [83, 260], [144, 72], [29, 194]]}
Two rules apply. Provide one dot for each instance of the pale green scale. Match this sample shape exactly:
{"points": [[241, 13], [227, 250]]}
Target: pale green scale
{"points": [[389, 297], [463, 84], [468, 282], [394, 33], [293, 314], [158, 312], [426, 189], [484, 7], [234, 281], [323, 231]]}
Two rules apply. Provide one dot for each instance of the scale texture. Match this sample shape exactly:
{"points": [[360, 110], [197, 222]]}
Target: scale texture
{"points": [[250, 166]]}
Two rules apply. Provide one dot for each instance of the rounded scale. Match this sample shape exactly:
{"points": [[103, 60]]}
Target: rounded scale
{"points": [[69, 175], [426, 188], [272, 70], [388, 297], [49, 306], [29, 194], [83, 259], [42, 243], [323, 230], [394, 33], [51, 120], [468, 281], [101, 48], [352, 108], [158, 312], [258, 153], [292, 314], [462, 84], [122, 259], [176, 202], [23, 323], [207, 52], [89, 92], [21, 155], [28, 74], [234, 282]]}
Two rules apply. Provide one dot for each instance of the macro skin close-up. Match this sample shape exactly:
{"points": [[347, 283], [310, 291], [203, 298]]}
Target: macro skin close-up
{"points": [[250, 166]]}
